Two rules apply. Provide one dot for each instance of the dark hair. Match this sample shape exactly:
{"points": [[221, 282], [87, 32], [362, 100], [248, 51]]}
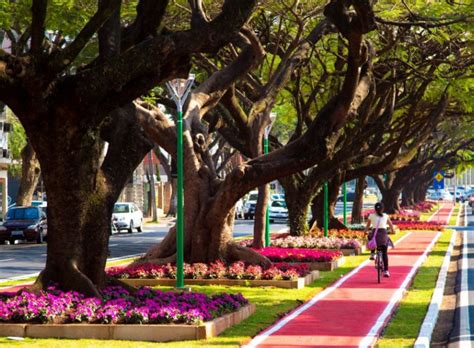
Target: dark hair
{"points": [[379, 208]]}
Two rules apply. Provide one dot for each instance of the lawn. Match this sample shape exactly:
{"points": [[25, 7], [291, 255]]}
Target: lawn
{"points": [[454, 216], [403, 329], [271, 303]]}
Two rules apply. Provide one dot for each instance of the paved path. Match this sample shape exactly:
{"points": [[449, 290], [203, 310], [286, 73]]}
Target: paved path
{"points": [[443, 214], [355, 309]]}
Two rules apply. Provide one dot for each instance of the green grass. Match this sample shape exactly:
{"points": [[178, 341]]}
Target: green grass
{"points": [[454, 215], [271, 304], [426, 215], [403, 329]]}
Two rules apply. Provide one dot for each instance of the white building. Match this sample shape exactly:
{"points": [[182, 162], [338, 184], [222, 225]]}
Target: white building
{"points": [[4, 160]]}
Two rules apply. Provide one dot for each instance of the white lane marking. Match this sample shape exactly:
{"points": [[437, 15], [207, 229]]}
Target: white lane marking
{"points": [[435, 213], [113, 245], [465, 328], [465, 214], [449, 216], [429, 323], [263, 336], [368, 340], [5, 260]]}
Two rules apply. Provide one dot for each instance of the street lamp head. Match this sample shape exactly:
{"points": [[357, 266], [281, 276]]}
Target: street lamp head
{"points": [[180, 88], [273, 116], [268, 128]]}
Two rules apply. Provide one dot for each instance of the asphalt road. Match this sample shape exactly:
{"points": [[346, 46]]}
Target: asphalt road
{"points": [[20, 260], [463, 332]]}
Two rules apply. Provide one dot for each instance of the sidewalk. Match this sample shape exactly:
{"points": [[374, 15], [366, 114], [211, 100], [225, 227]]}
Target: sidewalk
{"points": [[355, 309]]}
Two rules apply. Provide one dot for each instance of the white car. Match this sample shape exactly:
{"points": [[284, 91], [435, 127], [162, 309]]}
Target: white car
{"points": [[278, 210], [127, 216]]}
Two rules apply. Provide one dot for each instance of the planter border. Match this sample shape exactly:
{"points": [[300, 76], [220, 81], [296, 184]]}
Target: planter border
{"points": [[130, 332], [287, 284], [323, 266]]}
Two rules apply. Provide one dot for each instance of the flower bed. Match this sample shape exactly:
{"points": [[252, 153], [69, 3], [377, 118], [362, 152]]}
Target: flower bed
{"points": [[299, 255], [310, 242], [422, 207], [347, 234], [215, 270], [147, 306], [419, 225], [402, 215], [161, 316]]}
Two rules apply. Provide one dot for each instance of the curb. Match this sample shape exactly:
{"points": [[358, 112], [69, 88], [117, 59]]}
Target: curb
{"points": [[429, 323]]}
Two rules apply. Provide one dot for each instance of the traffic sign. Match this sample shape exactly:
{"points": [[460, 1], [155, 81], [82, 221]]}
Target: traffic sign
{"points": [[438, 182]]}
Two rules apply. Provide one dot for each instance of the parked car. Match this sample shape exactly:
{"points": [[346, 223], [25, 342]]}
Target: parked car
{"points": [[250, 204], [24, 223], [127, 216], [278, 210]]}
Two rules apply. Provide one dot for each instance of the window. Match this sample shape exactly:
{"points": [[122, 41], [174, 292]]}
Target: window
{"points": [[121, 208], [279, 204], [23, 214]]}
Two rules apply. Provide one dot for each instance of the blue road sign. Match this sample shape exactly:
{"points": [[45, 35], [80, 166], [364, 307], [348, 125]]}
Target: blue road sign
{"points": [[438, 182]]}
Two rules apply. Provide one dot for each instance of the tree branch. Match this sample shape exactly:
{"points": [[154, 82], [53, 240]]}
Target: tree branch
{"points": [[38, 11]]}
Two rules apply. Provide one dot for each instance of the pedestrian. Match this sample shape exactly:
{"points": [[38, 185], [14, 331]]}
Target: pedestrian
{"points": [[380, 221]]}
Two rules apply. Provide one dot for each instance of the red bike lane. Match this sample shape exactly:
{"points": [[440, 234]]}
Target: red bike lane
{"points": [[354, 310]]}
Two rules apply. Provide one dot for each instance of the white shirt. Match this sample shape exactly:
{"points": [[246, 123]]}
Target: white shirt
{"points": [[374, 218]]}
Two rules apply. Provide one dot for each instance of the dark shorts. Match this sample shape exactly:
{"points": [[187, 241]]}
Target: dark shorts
{"points": [[382, 236]]}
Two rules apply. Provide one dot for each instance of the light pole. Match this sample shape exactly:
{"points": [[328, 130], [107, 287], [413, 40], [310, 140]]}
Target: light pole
{"points": [[267, 130], [179, 90], [344, 194], [326, 207]]}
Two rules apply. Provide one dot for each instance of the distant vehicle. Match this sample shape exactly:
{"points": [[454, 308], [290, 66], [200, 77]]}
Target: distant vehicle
{"points": [[277, 196], [278, 210], [250, 205], [350, 195], [24, 223], [127, 216]]}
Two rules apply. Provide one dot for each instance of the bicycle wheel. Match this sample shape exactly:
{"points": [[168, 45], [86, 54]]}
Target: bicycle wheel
{"points": [[379, 266]]}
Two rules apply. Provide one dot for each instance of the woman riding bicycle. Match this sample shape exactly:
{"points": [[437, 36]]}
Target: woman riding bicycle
{"points": [[379, 220]]}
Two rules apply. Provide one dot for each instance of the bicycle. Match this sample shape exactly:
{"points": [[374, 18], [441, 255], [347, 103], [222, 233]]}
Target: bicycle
{"points": [[379, 265]]}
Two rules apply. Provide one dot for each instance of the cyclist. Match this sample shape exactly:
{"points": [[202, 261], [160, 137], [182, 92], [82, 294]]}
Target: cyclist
{"points": [[382, 220]]}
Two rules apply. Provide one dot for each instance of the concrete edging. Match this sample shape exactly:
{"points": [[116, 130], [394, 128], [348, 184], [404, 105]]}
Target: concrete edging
{"points": [[429, 323], [323, 266], [287, 284], [129, 332]]}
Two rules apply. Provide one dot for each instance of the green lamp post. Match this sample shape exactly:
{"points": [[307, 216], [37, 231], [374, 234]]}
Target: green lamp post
{"points": [[179, 90], [344, 193], [267, 130], [326, 207]]}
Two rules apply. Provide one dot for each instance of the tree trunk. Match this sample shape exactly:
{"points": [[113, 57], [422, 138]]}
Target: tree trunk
{"points": [[78, 228], [390, 199], [358, 203], [30, 173], [317, 209], [82, 191], [408, 195], [298, 213], [260, 217], [151, 180], [172, 210]]}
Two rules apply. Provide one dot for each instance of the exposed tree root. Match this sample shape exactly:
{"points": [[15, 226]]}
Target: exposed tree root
{"points": [[237, 252], [71, 278], [157, 261]]}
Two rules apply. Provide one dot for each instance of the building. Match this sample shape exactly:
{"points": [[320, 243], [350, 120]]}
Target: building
{"points": [[5, 161], [464, 179]]}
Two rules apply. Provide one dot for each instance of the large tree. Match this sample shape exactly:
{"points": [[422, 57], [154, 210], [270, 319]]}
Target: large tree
{"points": [[68, 114], [209, 199]]}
